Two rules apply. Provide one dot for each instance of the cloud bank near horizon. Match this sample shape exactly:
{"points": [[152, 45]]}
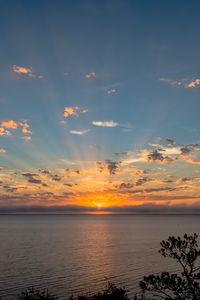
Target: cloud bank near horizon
{"points": [[126, 209]]}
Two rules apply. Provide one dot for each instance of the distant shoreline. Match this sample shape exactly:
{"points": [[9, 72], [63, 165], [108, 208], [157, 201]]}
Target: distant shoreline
{"points": [[97, 214]]}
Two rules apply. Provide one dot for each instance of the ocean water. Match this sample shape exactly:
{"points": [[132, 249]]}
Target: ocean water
{"points": [[81, 253]]}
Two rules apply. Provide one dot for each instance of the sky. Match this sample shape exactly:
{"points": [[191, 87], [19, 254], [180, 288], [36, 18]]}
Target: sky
{"points": [[99, 106]]}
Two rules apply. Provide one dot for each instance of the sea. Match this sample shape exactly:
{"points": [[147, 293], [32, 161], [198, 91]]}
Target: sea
{"points": [[80, 254]]}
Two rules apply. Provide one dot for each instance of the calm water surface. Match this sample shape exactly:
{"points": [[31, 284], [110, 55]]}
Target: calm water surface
{"points": [[76, 254]]}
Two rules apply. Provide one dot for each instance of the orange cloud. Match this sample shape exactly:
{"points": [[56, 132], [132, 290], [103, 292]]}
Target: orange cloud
{"points": [[10, 124], [193, 161], [70, 111], [4, 132], [21, 70], [73, 111], [25, 127], [193, 84]]}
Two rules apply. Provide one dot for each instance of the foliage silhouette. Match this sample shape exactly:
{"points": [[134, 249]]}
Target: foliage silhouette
{"points": [[183, 286], [34, 294], [112, 292]]}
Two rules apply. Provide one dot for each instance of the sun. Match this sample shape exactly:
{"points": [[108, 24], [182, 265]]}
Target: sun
{"points": [[99, 205]]}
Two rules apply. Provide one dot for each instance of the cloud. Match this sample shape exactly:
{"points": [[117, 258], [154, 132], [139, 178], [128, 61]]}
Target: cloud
{"points": [[150, 208], [63, 122], [79, 132], [127, 185], [184, 82], [142, 181], [171, 81], [111, 91], [27, 138], [56, 177], [33, 178], [72, 172], [171, 142], [21, 70], [162, 154], [111, 166], [45, 171], [3, 150], [90, 75], [105, 123], [4, 132], [10, 124], [193, 161], [192, 84], [26, 71], [25, 128], [157, 156], [73, 111]]}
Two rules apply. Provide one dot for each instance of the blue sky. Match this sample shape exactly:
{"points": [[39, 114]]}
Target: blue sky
{"points": [[129, 71]]}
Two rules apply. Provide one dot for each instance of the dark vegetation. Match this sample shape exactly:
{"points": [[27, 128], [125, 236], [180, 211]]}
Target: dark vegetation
{"points": [[182, 286]]}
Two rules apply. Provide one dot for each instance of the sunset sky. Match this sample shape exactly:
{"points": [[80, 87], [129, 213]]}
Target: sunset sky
{"points": [[99, 106]]}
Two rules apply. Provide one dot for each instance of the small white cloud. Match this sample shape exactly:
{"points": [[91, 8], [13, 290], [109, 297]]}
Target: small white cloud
{"points": [[79, 132], [90, 75], [105, 123], [111, 91], [63, 122]]}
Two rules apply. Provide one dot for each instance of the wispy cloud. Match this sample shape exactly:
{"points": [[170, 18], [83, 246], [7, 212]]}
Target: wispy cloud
{"points": [[171, 81], [192, 84], [73, 111], [79, 132], [186, 83], [105, 123], [90, 75]]}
